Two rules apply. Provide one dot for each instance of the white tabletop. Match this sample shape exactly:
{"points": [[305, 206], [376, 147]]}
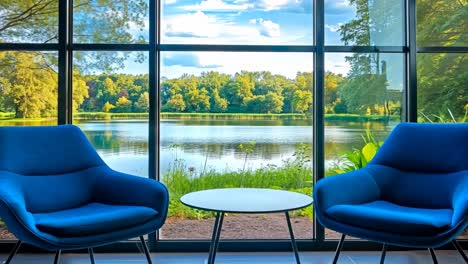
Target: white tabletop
{"points": [[246, 200]]}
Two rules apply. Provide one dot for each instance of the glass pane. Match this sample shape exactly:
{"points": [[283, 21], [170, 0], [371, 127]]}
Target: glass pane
{"points": [[111, 21], [245, 22], [363, 101], [29, 21], [111, 107], [228, 123], [28, 93], [364, 23], [441, 23], [442, 88]]}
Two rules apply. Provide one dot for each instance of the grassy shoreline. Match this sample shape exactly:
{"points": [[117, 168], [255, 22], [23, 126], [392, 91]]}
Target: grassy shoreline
{"points": [[208, 116]]}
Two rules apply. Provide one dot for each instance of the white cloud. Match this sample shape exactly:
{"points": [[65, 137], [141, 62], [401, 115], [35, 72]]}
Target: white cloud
{"points": [[217, 5], [287, 5], [267, 27], [333, 28], [202, 28], [197, 25], [268, 5]]}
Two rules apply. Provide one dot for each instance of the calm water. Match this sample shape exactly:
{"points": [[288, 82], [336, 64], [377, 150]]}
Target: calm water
{"points": [[124, 144]]}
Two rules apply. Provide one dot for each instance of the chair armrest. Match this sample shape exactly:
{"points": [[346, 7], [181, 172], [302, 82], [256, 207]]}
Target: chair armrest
{"points": [[460, 200], [12, 199], [354, 187], [114, 187]]}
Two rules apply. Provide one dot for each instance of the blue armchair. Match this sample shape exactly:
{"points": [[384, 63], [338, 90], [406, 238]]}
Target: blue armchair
{"points": [[58, 194], [414, 192]]}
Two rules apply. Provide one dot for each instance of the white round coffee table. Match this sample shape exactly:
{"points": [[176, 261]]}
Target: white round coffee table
{"points": [[245, 201]]}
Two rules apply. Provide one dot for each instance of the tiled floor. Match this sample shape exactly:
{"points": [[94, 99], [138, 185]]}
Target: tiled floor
{"points": [[399, 257]]}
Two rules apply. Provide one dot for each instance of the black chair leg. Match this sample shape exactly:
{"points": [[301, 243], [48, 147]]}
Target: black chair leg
{"points": [[57, 257], [460, 250], [384, 252], [338, 249], [433, 255], [145, 248], [13, 252], [91, 255]]}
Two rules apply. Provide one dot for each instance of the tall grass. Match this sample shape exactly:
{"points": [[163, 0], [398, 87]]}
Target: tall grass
{"points": [[294, 175], [109, 116], [361, 118], [235, 116]]}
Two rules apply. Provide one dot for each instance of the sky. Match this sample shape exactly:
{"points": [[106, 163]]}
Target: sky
{"points": [[249, 22]]}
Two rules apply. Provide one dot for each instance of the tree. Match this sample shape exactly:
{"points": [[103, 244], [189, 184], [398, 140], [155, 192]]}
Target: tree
{"points": [[332, 82], [28, 84], [108, 107], [123, 105], [240, 89], [361, 92], [219, 104], [176, 103], [273, 103], [376, 22], [142, 105], [442, 76], [198, 100], [80, 91], [302, 100]]}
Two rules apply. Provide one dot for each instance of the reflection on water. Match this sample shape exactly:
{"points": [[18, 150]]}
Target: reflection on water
{"points": [[124, 144]]}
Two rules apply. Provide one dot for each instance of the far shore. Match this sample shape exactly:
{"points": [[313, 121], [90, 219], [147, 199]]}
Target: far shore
{"points": [[9, 117]]}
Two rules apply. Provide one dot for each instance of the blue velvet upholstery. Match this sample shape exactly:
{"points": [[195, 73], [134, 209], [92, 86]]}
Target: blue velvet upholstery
{"points": [[413, 193], [57, 193]]}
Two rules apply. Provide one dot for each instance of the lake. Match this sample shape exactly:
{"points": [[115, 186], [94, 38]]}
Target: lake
{"points": [[214, 144]]}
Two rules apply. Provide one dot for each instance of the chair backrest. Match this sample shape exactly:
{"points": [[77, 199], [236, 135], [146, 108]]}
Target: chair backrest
{"points": [[55, 165], [431, 148], [45, 150], [425, 163]]}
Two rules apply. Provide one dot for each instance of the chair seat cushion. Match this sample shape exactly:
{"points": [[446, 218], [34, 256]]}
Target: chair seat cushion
{"points": [[92, 219], [388, 217]]}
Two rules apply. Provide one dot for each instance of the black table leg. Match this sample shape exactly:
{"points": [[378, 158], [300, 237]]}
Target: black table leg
{"points": [[215, 237], [293, 240]]}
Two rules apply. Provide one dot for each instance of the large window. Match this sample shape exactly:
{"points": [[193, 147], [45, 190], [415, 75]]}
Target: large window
{"points": [[228, 123], [204, 94]]}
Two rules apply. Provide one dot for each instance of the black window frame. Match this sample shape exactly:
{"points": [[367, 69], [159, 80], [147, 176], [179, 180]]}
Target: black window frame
{"points": [[65, 48]]}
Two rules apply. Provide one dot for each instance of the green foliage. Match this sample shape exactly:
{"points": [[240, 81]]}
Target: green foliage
{"points": [[358, 158], [442, 84], [361, 92], [142, 105], [176, 103], [302, 100], [28, 85], [108, 107], [123, 105]]}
